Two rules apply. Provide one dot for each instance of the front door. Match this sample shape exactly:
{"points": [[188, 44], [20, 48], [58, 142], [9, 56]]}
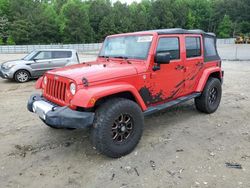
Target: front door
{"points": [[42, 62], [168, 82]]}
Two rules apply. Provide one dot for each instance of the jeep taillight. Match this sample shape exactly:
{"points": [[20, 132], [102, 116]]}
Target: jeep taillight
{"points": [[219, 64]]}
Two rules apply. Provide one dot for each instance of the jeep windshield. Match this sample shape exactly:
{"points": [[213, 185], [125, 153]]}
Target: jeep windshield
{"points": [[127, 47]]}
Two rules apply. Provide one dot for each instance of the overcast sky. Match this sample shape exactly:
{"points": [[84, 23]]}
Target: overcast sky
{"points": [[126, 1]]}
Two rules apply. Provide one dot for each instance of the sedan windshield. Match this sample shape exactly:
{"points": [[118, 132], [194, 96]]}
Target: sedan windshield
{"points": [[30, 56], [127, 47]]}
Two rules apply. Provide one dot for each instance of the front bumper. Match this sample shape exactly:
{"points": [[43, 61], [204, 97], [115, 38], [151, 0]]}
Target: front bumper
{"points": [[6, 74], [1, 74], [59, 117]]}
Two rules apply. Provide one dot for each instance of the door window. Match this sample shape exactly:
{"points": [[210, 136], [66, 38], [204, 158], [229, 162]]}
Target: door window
{"points": [[171, 45], [43, 55], [61, 54], [193, 47]]}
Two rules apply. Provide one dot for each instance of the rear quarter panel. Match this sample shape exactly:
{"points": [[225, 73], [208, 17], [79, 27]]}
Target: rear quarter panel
{"points": [[205, 75]]}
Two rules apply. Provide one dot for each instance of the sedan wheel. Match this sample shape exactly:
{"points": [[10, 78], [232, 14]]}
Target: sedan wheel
{"points": [[22, 76]]}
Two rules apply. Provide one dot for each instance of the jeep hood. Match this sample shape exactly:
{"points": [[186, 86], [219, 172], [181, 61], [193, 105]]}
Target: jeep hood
{"points": [[95, 72]]}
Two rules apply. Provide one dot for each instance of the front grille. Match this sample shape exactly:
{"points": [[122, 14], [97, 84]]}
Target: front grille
{"points": [[56, 89]]}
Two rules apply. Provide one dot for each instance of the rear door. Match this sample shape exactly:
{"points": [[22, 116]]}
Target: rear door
{"points": [[61, 58], [194, 61]]}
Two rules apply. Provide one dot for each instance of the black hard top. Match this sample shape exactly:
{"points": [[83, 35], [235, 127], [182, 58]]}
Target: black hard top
{"points": [[180, 31]]}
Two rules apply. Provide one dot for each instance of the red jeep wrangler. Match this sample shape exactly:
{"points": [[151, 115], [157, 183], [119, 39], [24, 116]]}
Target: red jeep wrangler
{"points": [[135, 75]]}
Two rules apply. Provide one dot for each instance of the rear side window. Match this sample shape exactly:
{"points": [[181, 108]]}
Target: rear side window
{"points": [[171, 45], [210, 49], [193, 47], [61, 54]]}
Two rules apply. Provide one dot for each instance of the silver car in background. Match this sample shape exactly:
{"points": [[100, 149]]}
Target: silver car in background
{"points": [[37, 63]]}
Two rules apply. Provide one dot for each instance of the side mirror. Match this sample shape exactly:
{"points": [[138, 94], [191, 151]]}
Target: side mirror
{"points": [[161, 58]]}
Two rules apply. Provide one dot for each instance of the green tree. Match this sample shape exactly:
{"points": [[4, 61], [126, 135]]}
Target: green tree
{"points": [[199, 14], [4, 8], [10, 41], [140, 15], [98, 10], [225, 27], [20, 31], [1, 41], [244, 27], [58, 4], [46, 28], [190, 20], [161, 15], [180, 11], [107, 27], [4, 28], [75, 21], [76, 27], [121, 17]]}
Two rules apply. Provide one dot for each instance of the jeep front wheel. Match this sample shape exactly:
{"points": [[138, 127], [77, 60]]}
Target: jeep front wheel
{"points": [[117, 127], [210, 97]]}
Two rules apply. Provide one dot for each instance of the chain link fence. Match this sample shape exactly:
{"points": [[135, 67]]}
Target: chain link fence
{"points": [[226, 48], [81, 48]]}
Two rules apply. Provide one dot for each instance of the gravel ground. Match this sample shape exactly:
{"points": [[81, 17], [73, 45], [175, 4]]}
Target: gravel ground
{"points": [[180, 147]]}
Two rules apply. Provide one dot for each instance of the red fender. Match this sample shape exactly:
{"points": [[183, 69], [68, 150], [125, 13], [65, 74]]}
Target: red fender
{"points": [[87, 97], [39, 83], [206, 73]]}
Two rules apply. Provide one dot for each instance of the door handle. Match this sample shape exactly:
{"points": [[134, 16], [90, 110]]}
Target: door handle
{"points": [[179, 67], [198, 63], [152, 75]]}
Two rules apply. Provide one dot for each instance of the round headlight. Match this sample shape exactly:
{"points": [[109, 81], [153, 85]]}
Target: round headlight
{"points": [[72, 88], [45, 80]]}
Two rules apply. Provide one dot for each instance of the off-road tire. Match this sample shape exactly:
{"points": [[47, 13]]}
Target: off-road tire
{"points": [[203, 103], [105, 118], [25, 76]]}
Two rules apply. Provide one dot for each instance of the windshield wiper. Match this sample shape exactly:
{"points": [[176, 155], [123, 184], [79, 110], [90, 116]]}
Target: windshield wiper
{"points": [[104, 56], [122, 57]]}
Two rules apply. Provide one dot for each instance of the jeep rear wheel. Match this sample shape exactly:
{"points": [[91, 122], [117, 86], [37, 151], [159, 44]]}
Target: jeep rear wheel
{"points": [[117, 127], [210, 98]]}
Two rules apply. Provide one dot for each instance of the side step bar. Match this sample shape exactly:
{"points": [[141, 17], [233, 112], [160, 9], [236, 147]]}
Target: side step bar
{"points": [[166, 105]]}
